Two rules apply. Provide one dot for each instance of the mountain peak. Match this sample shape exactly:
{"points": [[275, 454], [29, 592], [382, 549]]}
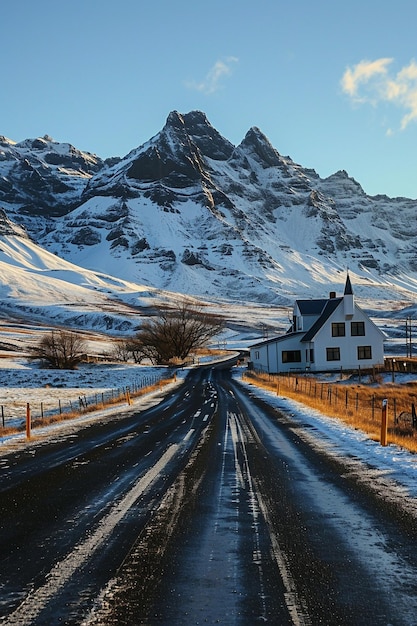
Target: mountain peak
{"points": [[342, 179], [193, 119], [196, 127], [259, 144], [255, 134], [6, 142]]}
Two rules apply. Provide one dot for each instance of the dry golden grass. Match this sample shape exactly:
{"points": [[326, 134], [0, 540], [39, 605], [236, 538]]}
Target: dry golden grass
{"points": [[360, 406]]}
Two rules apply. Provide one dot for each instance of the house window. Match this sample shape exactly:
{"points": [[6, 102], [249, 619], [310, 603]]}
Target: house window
{"points": [[257, 355], [333, 354], [310, 355], [364, 352], [338, 329], [291, 356], [357, 329]]}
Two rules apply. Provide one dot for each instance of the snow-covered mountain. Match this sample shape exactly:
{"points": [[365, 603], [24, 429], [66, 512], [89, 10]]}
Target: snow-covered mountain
{"points": [[189, 212]]}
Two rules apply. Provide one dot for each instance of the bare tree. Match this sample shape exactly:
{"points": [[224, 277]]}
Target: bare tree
{"points": [[61, 349], [121, 350], [175, 333]]}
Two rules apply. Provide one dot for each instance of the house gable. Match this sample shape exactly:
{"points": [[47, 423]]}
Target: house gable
{"points": [[346, 340]]}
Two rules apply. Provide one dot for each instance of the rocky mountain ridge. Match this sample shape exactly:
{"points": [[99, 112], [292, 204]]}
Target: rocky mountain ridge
{"points": [[190, 212]]}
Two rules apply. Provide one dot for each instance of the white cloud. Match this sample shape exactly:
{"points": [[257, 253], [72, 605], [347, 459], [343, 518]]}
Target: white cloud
{"points": [[363, 73], [212, 81], [370, 81]]}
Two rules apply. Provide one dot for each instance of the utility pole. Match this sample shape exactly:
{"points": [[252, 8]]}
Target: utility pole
{"points": [[406, 336]]}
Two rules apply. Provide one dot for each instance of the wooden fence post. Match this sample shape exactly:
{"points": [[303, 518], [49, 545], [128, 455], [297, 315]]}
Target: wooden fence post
{"points": [[384, 423], [28, 421]]}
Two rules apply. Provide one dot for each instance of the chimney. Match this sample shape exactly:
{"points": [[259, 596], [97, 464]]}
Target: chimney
{"points": [[332, 295]]}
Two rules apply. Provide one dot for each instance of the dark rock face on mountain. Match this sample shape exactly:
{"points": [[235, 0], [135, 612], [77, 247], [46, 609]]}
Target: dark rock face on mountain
{"points": [[178, 158], [190, 212], [42, 176], [7, 227]]}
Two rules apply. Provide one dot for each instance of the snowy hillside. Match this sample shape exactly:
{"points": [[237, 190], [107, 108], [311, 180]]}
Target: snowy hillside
{"points": [[38, 286], [189, 212]]}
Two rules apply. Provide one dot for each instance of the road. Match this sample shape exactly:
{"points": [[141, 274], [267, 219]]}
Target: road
{"points": [[209, 507]]}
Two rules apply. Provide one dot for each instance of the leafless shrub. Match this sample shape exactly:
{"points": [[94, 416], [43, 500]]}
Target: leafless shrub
{"points": [[61, 349]]}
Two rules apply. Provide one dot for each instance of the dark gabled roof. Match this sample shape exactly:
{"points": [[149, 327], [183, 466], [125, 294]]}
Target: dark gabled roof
{"points": [[311, 307], [265, 342], [330, 306], [323, 308]]}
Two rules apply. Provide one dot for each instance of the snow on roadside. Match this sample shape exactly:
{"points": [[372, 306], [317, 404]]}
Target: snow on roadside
{"points": [[390, 469]]}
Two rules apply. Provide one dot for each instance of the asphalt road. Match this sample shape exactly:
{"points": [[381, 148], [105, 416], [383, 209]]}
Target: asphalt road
{"points": [[208, 508]]}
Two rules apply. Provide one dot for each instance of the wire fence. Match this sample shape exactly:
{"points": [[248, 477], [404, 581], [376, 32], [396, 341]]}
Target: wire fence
{"points": [[359, 405], [14, 415]]}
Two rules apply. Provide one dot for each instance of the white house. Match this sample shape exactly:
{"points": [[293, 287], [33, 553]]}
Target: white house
{"points": [[325, 335]]}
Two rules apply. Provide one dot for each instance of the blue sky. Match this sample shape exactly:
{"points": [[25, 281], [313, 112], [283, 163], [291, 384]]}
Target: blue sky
{"points": [[331, 84]]}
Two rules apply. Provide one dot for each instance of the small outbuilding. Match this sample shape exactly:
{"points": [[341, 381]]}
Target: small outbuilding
{"points": [[325, 335]]}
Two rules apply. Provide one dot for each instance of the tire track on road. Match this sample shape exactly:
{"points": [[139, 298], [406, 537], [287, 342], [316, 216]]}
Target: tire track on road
{"points": [[33, 605]]}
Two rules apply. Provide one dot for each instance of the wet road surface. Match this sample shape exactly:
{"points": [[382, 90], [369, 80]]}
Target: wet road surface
{"points": [[208, 508]]}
